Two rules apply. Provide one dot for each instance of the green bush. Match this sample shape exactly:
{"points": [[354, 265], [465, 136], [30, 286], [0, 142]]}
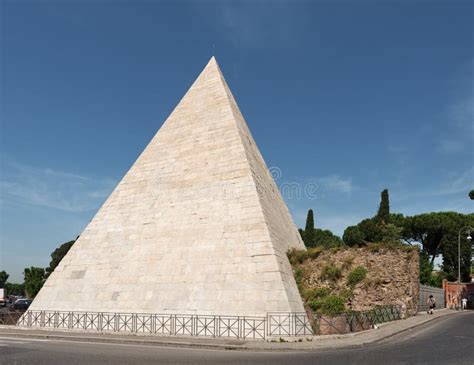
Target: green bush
{"points": [[331, 273], [330, 305], [316, 293], [346, 293], [347, 262], [299, 273], [297, 257], [314, 252], [356, 276]]}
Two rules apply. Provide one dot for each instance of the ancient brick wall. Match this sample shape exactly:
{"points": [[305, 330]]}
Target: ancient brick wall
{"points": [[392, 276]]}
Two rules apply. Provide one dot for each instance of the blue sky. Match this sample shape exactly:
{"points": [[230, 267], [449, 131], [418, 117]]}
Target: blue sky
{"points": [[352, 96]]}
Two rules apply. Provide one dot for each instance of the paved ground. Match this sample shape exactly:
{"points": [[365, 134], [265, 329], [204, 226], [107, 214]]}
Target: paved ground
{"points": [[447, 340], [385, 330]]}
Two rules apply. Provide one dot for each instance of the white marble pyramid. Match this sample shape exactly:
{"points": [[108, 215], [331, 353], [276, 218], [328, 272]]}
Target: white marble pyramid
{"points": [[196, 226]]}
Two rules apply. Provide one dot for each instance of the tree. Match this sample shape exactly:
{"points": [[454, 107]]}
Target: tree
{"points": [[15, 289], [309, 230], [325, 238], [383, 214], [368, 230], [301, 233], [58, 255], [471, 194], [437, 233], [398, 220], [428, 229], [450, 255], [3, 278], [426, 269], [34, 280], [313, 237], [371, 231], [383, 227], [353, 236], [391, 233], [427, 274]]}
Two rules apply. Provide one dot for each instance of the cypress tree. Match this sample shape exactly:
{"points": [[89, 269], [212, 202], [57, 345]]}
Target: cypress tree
{"points": [[301, 233], [383, 215], [309, 230]]}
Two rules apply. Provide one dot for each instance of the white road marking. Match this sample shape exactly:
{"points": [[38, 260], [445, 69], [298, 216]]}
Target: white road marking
{"points": [[100, 343], [20, 339], [6, 343]]}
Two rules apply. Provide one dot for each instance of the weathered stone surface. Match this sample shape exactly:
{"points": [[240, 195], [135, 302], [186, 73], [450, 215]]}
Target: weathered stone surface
{"points": [[196, 226], [392, 276]]}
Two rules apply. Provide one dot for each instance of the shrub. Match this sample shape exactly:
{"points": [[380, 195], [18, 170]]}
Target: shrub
{"points": [[356, 276], [299, 273], [314, 252], [330, 305], [346, 293], [297, 256], [331, 273], [316, 293], [347, 262]]}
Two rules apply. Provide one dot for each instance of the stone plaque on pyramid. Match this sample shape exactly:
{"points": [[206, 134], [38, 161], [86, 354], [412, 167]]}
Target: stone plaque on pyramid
{"points": [[196, 226]]}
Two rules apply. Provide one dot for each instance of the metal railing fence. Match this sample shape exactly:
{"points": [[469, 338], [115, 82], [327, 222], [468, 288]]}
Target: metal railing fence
{"points": [[239, 327], [9, 317], [356, 321]]}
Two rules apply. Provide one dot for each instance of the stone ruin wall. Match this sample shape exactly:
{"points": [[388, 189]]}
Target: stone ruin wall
{"points": [[392, 277]]}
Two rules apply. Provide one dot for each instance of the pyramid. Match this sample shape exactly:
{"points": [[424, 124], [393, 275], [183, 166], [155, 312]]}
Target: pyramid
{"points": [[196, 226]]}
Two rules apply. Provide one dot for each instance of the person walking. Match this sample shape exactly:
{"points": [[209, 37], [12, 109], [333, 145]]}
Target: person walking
{"points": [[464, 303], [431, 303]]}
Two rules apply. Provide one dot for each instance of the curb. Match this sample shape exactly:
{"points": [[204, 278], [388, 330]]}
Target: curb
{"points": [[126, 341], [336, 346]]}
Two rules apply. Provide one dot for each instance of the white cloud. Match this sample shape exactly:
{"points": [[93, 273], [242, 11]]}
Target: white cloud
{"points": [[27, 185], [462, 182], [460, 116], [335, 183], [459, 183]]}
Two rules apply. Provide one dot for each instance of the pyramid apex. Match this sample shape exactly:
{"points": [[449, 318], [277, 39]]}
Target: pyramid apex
{"points": [[211, 68], [212, 63]]}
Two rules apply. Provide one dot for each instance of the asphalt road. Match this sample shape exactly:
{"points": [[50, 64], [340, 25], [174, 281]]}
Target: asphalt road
{"points": [[449, 340]]}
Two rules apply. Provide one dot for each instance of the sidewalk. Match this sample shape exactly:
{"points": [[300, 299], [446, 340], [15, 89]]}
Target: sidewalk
{"points": [[308, 343]]}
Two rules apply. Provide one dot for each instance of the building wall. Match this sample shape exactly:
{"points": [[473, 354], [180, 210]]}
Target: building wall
{"points": [[454, 292]]}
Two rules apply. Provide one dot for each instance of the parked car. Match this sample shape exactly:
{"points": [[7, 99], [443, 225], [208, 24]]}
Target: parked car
{"points": [[22, 304]]}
